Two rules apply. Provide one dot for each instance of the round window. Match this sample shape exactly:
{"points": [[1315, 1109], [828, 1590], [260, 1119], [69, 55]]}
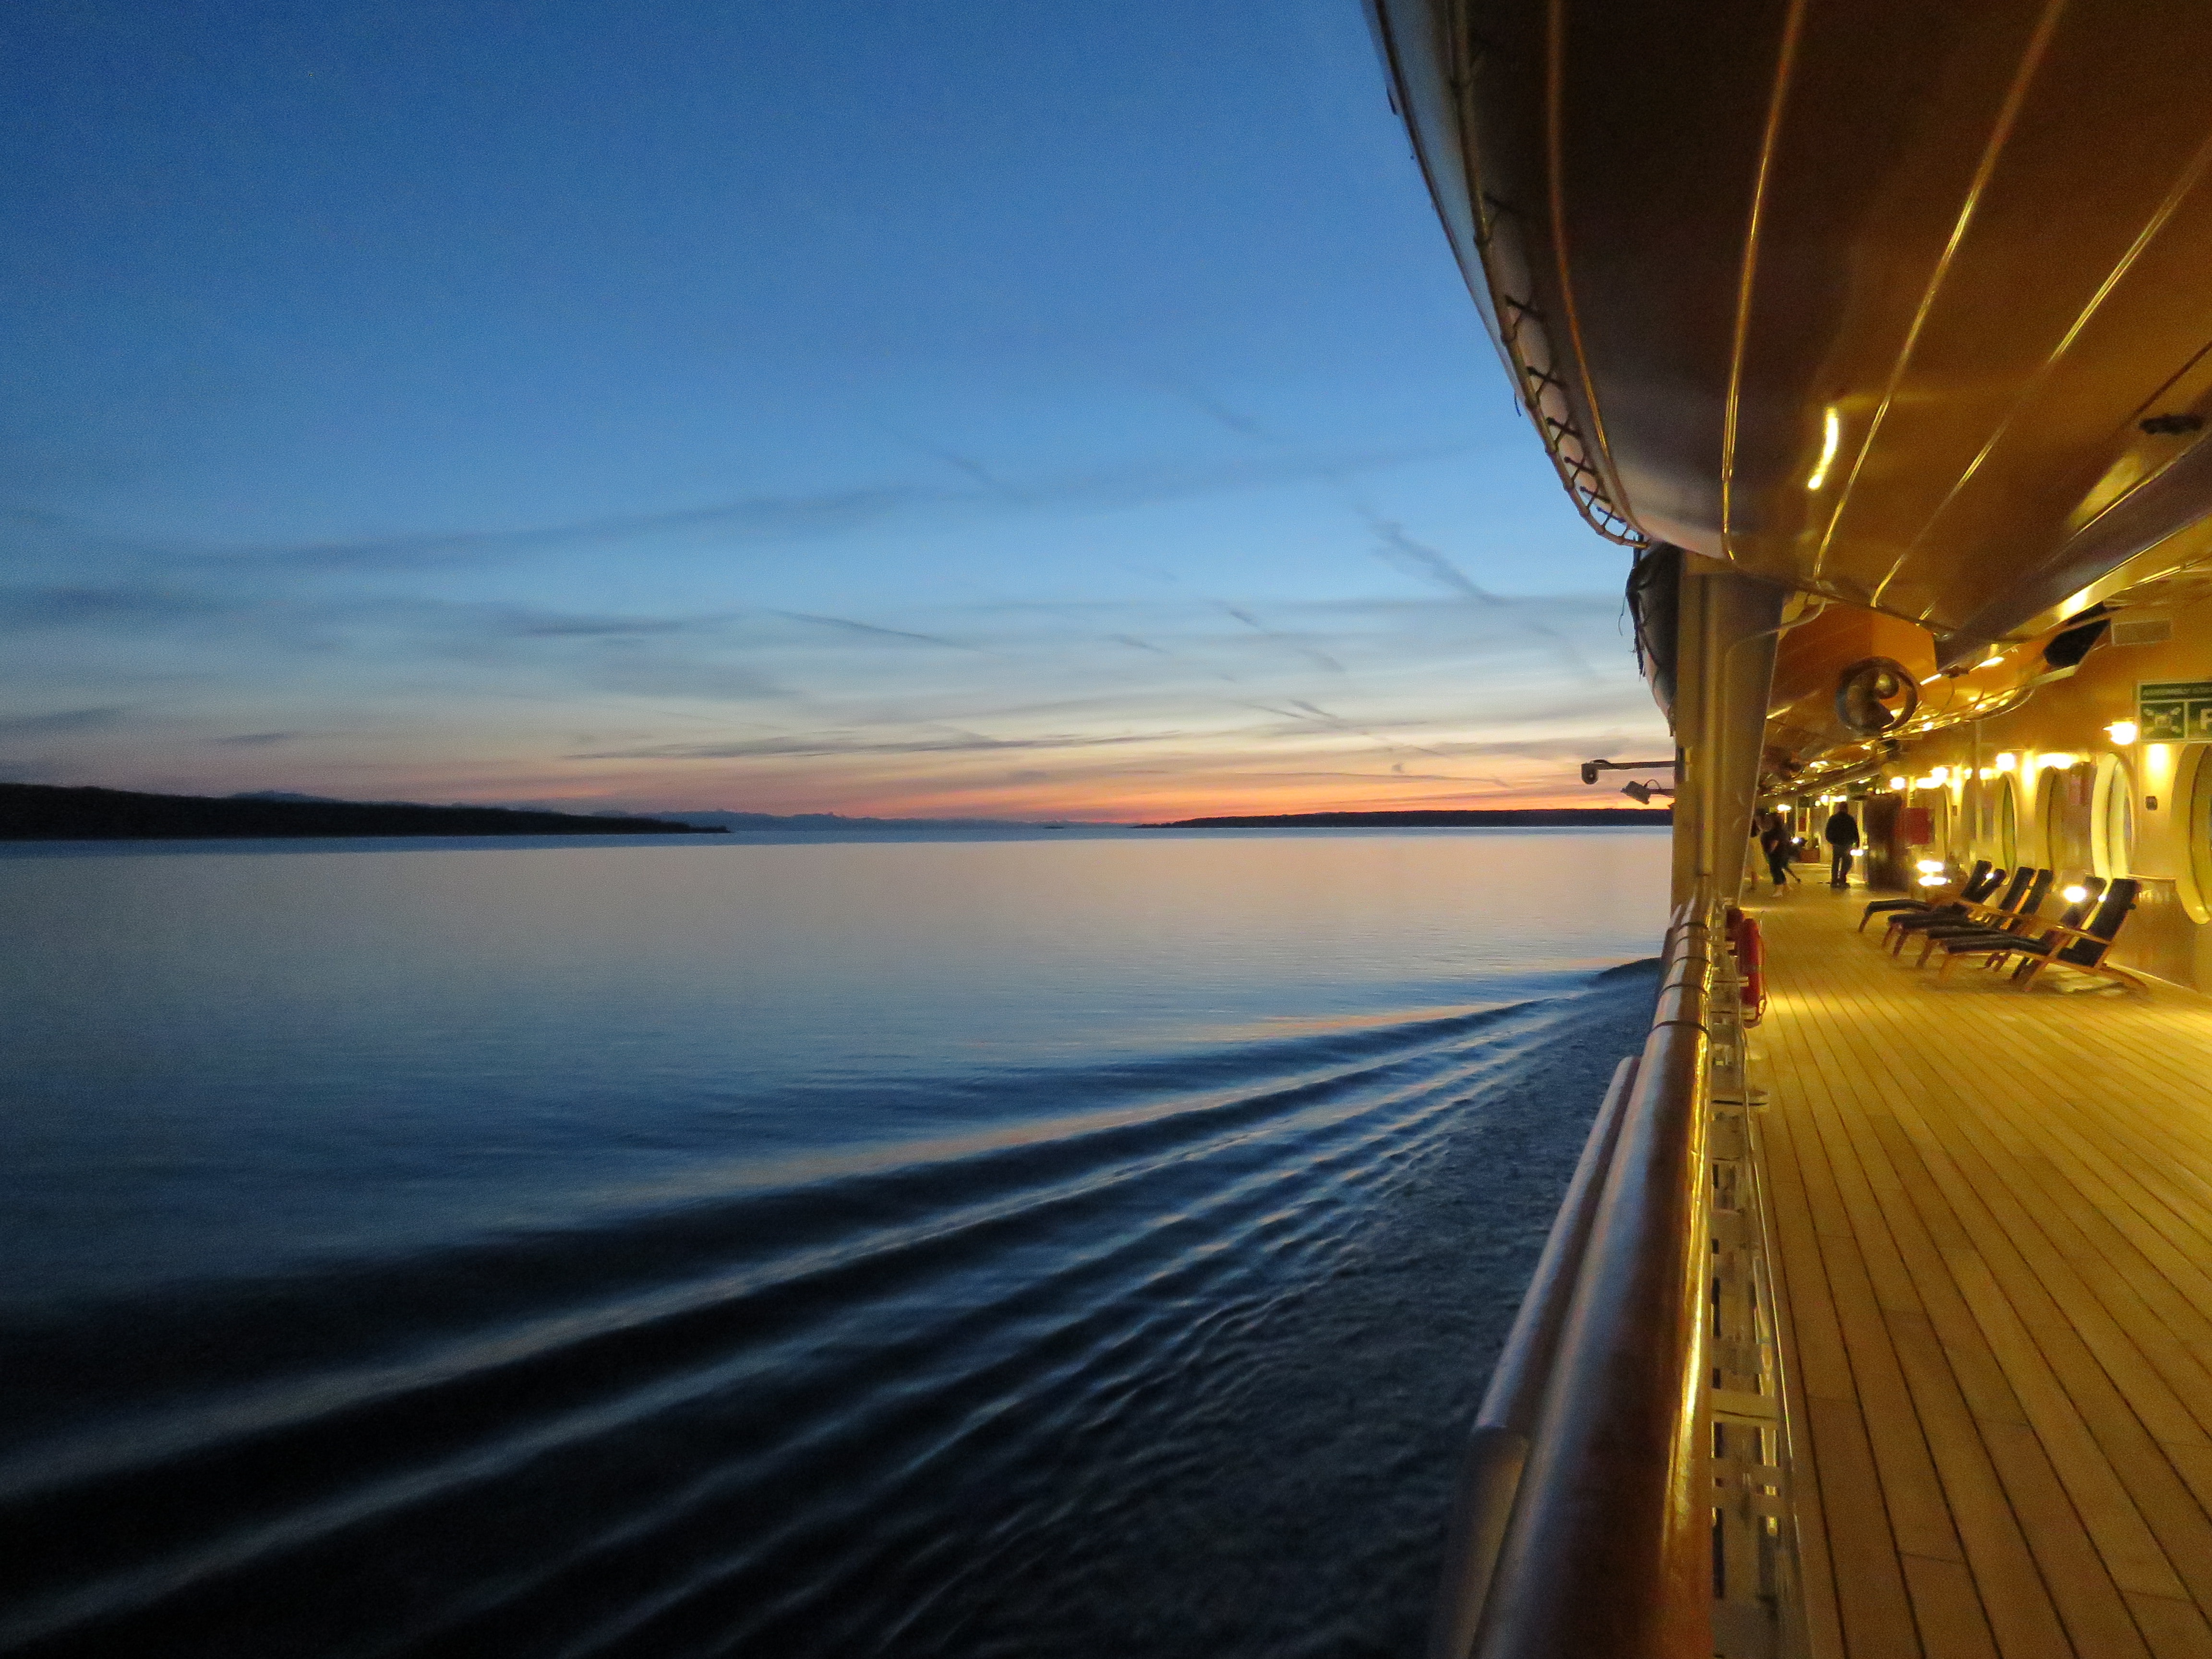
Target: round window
{"points": [[2193, 793], [2067, 805], [2113, 842]]}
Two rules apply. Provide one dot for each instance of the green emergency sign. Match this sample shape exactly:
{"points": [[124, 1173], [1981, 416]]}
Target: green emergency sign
{"points": [[2174, 711]]}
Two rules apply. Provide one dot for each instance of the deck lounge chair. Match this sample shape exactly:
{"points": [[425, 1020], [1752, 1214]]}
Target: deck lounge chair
{"points": [[2083, 948], [2021, 896], [2038, 944], [1981, 881], [2026, 930], [2017, 919]]}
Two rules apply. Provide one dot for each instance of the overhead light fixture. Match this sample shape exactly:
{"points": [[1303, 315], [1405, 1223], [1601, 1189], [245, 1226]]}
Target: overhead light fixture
{"points": [[1832, 434], [2122, 732]]}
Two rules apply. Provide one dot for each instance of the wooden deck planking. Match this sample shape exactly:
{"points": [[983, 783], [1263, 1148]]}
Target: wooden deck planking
{"points": [[1994, 1217]]}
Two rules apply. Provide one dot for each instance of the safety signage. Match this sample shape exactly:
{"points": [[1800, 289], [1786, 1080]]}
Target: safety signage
{"points": [[2174, 711]]}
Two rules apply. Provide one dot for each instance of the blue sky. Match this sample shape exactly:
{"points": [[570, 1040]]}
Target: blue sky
{"points": [[994, 409]]}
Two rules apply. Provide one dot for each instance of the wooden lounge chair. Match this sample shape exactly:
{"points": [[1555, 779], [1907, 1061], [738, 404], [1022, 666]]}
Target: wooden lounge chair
{"points": [[2029, 933], [2083, 948], [2021, 897], [2016, 917], [1981, 881]]}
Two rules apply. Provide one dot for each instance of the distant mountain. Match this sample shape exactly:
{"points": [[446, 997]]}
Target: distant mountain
{"points": [[1599, 817], [33, 811], [741, 821]]}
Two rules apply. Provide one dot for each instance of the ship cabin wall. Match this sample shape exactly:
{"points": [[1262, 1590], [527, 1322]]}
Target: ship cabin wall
{"points": [[2049, 784]]}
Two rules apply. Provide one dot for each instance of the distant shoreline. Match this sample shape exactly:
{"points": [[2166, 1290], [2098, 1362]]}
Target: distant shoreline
{"points": [[36, 811], [1592, 817]]}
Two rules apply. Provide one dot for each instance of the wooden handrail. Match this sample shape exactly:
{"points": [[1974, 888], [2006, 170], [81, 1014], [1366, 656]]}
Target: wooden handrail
{"points": [[1607, 1552]]}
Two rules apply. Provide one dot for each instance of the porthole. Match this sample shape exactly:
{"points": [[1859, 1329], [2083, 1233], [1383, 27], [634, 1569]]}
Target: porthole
{"points": [[2192, 794], [2112, 837], [2065, 815]]}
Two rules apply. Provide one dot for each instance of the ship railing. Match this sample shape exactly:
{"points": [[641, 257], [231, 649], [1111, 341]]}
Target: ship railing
{"points": [[1626, 1486]]}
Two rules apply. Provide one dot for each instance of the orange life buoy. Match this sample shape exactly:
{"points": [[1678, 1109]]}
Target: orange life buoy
{"points": [[1751, 965]]}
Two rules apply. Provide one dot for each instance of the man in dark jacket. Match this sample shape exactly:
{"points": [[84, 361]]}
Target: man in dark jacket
{"points": [[1842, 835]]}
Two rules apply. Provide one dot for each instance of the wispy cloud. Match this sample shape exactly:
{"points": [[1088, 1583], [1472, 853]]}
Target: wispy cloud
{"points": [[872, 631], [746, 519], [820, 747], [60, 721]]}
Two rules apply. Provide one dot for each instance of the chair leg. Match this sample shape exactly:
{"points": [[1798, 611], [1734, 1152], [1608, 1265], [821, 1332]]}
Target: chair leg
{"points": [[1949, 958], [1927, 950], [2024, 975]]}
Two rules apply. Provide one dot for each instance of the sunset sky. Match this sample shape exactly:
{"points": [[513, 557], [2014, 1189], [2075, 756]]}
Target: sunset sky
{"points": [[1003, 409]]}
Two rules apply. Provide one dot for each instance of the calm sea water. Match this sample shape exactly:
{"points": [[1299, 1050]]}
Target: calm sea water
{"points": [[1078, 1245]]}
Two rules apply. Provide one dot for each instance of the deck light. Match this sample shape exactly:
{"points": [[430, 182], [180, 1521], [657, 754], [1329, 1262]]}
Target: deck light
{"points": [[1929, 866], [1988, 662], [1831, 434], [1986, 774], [1931, 881], [1897, 783], [2075, 894], [2062, 762], [2008, 761], [2122, 732]]}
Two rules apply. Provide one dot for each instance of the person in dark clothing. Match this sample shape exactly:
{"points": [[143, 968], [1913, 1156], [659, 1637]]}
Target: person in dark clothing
{"points": [[1775, 841], [1842, 835]]}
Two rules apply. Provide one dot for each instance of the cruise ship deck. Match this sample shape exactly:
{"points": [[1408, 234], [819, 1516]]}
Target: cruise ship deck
{"points": [[1994, 1214]]}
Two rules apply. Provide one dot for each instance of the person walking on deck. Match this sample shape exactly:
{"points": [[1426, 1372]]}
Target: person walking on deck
{"points": [[1776, 842], [1842, 835]]}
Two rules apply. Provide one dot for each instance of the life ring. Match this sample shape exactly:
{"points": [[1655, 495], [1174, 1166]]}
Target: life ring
{"points": [[1874, 695], [1750, 949]]}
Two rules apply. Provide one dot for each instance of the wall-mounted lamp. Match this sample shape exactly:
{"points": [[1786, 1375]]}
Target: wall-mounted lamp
{"points": [[2075, 894], [1897, 783], [2122, 732], [2008, 761]]}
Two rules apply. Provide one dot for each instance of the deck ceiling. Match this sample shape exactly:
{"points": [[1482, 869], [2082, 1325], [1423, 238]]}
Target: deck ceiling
{"points": [[1872, 298]]}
